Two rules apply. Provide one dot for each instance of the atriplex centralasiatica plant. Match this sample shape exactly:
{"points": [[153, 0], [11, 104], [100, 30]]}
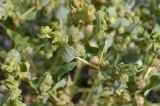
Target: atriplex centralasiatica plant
{"points": [[53, 42]]}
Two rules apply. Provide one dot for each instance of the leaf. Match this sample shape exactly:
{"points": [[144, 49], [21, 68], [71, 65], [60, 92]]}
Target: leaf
{"points": [[124, 22], [16, 37], [33, 84], [62, 13], [155, 32], [108, 42], [100, 21], [44, 2], [153, 83], [13, 55], [68, 53], [135, 28], [57, 74], [121, 22], [2, 10], [111, 11], [32, 16], [129, 4], [60, 84], [120, 85]]}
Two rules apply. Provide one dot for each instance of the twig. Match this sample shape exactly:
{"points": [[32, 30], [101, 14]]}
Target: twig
{"points": [[88, 63], [78, 72], [148, 72]]}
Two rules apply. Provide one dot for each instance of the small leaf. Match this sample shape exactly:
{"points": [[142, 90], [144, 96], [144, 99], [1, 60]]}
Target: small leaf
{"points": [[17, 38], [108, 42], [32, 16], [60, 84], [120, 85], [2, 10], [135, 28], [124, 22], [33, 84], [100, 21], [153, 83], [44, 2], [13, 55], [155, 32], [62, 14], [111, 11], [57, 74], [69, 53]]}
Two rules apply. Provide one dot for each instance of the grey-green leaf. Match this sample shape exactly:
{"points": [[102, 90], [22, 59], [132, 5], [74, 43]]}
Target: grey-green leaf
{"points": [[59, 84], [57, 74], [69, 53], [155, 32], [153, 83], [108, 42], [13, 55]]}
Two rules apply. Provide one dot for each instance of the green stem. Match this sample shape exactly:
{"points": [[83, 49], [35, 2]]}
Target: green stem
{"points": [[78, 72], [148, 72], [88, 98], [88, 63], [101, 56], [84, 90], [28, 12]]}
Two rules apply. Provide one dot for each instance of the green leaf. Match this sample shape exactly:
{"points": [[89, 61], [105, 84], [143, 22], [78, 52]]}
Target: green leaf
{"points": [[155, 32], [13, 55], [153, 83], [124, 22], [59, 84], [111, 11], [2, 10], [44, 2], [100, 21], [62, 14], [57, 74], [32, 16], [135, 28], [16, 37], [68, 53], [33, 84], [108, 42]]}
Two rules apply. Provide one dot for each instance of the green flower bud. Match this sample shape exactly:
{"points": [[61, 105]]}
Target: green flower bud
{"points": [[76, 3], [45, 83], [15, 102], [124, 77], [83, 14], [45, 32], [126, 96], [59, 38]]}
